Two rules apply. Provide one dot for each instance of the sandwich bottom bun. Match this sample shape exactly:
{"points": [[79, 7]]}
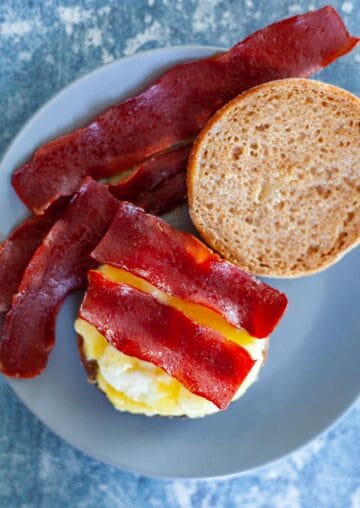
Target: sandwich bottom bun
{"points": [[274, 178]]}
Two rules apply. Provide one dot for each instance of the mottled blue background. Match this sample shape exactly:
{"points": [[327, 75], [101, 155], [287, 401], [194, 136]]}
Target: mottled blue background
{"points": [[43, 46]]}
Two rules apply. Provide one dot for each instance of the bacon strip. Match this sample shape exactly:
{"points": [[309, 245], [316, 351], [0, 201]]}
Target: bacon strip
{"points": [[18, 249], [58, 267], [138, 325], [179, 264], [159, 184], [178, 105]]}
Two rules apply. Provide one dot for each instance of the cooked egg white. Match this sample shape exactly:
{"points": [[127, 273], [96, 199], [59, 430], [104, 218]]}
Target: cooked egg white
{"points": [[140, 387]]}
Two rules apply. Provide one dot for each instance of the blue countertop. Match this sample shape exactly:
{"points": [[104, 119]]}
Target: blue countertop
{"points": [[44, 45]]}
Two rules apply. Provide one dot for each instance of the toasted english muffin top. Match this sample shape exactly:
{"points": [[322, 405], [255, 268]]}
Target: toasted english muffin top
{"points": [[274, 178]]}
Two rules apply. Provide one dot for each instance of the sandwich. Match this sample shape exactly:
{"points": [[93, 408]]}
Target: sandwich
{"points": [[166, 326]]}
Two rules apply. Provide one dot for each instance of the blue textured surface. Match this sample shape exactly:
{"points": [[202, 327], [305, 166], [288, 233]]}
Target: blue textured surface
{"points": [[43, 46]]}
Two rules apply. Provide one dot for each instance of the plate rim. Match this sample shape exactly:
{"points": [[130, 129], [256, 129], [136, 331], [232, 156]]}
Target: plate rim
{"points": [[121, 466], [228, 476]]}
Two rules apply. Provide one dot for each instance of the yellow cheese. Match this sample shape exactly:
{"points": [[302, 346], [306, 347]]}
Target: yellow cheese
{"points": [[198, 313]]}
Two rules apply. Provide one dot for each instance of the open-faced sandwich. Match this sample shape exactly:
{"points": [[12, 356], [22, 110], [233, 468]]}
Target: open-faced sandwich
{"points": [[166, 326]]}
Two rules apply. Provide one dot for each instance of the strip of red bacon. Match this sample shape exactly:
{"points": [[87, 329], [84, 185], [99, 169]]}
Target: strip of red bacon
{"points": [[138, 325], [58, 267], [159, 183], [181, 265], [178, 105], [18, 249]]}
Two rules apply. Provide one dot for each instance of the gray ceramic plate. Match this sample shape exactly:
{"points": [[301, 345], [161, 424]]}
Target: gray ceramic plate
{"points": [[311, 377]]}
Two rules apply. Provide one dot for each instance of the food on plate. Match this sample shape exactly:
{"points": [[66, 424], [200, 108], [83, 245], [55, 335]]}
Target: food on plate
{"points": [[175, 108], [160, 314], [167, 327], [274, 178], [58, 267], [18, 249]]}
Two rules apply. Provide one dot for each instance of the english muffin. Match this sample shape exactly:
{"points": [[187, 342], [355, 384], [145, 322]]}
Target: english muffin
{"points": [[274, 178]]}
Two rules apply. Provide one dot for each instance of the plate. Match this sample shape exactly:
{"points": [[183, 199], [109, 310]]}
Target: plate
{"points": [[312, 374]]}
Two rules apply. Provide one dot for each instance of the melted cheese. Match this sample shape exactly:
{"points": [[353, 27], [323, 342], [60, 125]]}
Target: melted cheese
{"points": [[198, 313], [140, 387]]}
